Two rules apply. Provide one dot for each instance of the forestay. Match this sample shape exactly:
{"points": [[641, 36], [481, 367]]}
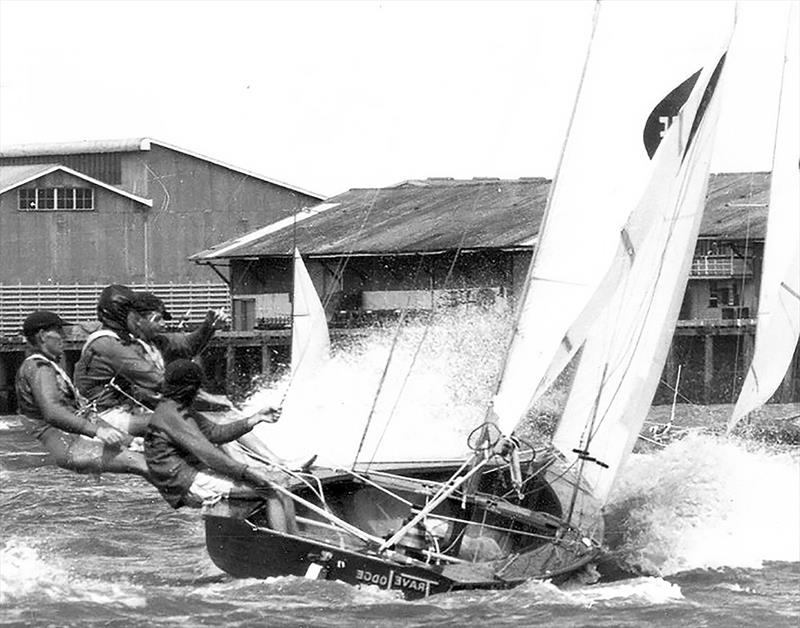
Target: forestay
{"points": [[778, 326], [603, 172]]}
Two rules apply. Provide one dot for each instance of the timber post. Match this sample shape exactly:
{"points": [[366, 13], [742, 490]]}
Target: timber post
{"points": [[266, 359], [230, 366], [5, 384], [670, 370], [708, 367], [787, 391]]}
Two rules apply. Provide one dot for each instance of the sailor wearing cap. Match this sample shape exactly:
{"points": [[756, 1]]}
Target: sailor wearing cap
{"points": [[57, 414]]}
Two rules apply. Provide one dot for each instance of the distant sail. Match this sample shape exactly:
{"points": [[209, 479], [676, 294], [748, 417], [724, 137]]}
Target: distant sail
{"points": [[778, 326], [627, 344], [602, 175], [311, 345]]}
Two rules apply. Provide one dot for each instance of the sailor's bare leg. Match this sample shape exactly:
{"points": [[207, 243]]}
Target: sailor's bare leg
{"points": [[281, 515], [253, 443], [279, 508], [88, 455]]}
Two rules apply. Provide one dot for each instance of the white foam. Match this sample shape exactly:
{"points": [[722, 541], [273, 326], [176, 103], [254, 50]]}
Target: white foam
{"points": [[25, 575], [538, 593], [425, 415], [708, 502], [9, 423], [639, 591]]}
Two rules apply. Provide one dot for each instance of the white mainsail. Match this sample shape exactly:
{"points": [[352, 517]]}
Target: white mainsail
{"points": [[627, 344], [603, 171], [778, 324]]}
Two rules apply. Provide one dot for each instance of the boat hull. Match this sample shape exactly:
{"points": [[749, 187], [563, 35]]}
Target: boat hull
{"points": [[240, 542], [247, 551]]}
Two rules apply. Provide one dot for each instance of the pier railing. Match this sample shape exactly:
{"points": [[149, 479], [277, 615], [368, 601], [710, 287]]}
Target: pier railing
{"points": [[187, 302]]}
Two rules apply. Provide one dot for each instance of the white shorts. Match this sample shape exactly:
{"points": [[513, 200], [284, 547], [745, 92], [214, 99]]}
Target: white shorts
{"points": [[124, 419], [121, 419], [208, 487]]}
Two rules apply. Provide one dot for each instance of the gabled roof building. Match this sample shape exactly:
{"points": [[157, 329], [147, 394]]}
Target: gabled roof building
{"points": [[449, 240], [78, 216]]}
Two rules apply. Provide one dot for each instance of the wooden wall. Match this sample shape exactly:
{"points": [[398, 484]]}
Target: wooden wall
{"points": [[196, 204], [87, 246]]}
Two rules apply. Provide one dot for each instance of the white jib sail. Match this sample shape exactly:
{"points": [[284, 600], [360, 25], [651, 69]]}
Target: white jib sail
{"points": [[310, 353], [627, 345], [778, 324], [603, 171], [311, 345]]}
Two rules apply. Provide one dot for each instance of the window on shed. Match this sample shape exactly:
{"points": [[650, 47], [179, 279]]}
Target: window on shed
{"points": [[27, 198], [62, 198], [723, 294]]}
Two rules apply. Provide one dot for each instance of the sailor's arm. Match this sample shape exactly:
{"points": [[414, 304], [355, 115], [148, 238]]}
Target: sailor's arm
{"points": [[220, 433], [44, 386], [187, 436], [186, 345]]}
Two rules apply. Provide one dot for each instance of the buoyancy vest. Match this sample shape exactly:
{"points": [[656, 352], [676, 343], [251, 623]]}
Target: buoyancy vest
{"points": [[100, 333], [153, 354], [64, 379]]}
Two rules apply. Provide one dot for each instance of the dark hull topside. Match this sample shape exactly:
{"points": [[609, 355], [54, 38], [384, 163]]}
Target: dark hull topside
{"points": [[240, 542]]}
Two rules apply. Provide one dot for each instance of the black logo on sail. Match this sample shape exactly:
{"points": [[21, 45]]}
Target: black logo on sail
{"points": [[665, 113]]}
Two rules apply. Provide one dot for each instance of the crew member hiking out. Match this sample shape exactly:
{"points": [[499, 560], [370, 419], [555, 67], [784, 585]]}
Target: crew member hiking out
{"points": [[187, 467], [58, 416], [121, 367], [147, 325]]}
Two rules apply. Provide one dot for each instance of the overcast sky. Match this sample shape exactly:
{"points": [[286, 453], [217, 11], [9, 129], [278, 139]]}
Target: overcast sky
{"points": [[334, 95]]}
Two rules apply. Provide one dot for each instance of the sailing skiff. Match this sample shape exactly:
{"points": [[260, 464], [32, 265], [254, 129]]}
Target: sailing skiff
{"points": [[506, 514]]}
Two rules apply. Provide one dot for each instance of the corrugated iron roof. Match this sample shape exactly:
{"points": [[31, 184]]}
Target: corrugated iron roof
{"points": [[444, 214], [12, 176], [132, 145], [76, 148], [414, 216], [736, 206]]}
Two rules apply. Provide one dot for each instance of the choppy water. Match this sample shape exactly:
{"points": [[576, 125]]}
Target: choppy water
{"points": [[82, 551], [717, 522]]}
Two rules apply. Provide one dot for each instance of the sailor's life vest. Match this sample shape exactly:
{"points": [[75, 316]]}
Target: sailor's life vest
{"points": [[26, 401]]}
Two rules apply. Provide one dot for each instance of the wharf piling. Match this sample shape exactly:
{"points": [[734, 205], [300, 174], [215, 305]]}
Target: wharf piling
{"points": [[713, 356]]}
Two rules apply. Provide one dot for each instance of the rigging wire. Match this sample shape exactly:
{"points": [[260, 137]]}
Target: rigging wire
{"points": [[415, 356], [740, 337], [338, 274], [385, 372]]}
